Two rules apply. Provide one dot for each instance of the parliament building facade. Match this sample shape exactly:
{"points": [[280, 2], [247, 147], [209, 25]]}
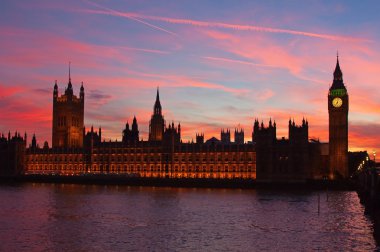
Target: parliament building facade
{"points": [[76, 151]]}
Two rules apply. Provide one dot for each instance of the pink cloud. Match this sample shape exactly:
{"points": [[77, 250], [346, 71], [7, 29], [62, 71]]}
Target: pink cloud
{"points": [[25, 50], [173, 81], [6, 91]]}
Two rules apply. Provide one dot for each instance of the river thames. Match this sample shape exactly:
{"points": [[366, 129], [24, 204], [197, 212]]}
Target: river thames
{"points": [[63, 217]]}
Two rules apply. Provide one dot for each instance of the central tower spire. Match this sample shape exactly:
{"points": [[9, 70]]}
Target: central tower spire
{"points": [[157, 110], [69, 71], [157, 123]]}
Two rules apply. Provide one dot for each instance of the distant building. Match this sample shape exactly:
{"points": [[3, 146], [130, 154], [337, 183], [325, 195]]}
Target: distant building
{"points": [[12, 154], [265, 158], [163, 155], [283, 160]]}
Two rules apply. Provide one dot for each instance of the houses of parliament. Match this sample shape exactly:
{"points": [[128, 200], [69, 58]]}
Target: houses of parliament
{"points": [[265, 158]]}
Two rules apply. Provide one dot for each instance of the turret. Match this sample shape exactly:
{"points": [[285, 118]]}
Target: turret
{"points": [[46, 145], [255, 129], [55, 92], [134, 124], [299, 134], [172, 135], [239, 136], [126, 133], [200, 138], [135, 131], [34, 142], [264, 134], [225, 136], [81, 93], [69, 90]]}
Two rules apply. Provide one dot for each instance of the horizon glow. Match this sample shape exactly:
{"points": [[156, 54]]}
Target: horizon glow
{"points": [[218, 66]]}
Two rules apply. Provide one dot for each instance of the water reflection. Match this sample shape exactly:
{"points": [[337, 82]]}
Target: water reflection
{"points": [[114, 218]]}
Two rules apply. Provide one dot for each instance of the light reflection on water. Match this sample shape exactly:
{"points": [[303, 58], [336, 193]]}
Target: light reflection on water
{"points": [[35, 217]]}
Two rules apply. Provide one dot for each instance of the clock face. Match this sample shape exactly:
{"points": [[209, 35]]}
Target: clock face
{"points": [[337, 102]]}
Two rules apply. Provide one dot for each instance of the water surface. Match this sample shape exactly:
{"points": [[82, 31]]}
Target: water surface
{"points": [[57, 217]]}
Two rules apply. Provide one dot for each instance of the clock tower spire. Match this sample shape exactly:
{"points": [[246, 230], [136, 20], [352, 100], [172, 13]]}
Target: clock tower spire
{"points": [[338, 126]]}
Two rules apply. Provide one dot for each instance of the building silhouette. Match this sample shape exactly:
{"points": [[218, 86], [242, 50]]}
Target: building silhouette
{"points": [[157, 122], [239, 136], [225, 136], [338, 126], [68, 117], [131, 135], [12, 154], [164, 155]]}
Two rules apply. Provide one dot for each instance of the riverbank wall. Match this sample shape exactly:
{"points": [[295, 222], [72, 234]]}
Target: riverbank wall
{"points": [[108, 179]]}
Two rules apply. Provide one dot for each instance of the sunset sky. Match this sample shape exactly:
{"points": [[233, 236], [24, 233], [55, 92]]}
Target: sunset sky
{"points": [[218, 64]]}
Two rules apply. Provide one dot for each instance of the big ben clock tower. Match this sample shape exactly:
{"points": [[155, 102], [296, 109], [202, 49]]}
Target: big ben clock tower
{"points": [[338, 126]]}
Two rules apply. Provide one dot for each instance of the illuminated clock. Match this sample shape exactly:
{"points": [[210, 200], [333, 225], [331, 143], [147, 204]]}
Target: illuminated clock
{"points": [[337, 102]]}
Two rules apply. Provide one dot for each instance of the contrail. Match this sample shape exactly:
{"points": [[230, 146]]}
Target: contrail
{"points": [[238, 62], [132, 15], [136, 18], [153, 26], [144, 50]]}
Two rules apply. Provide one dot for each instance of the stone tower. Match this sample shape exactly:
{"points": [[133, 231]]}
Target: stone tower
{"points": [[68, 117], [225, 136], [157, 123], [338, 126], [265, 139], [131, 135], [239, 136]]}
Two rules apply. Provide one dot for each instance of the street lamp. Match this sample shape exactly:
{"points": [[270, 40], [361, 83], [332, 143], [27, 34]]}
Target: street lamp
{"points": [[374, 156]]}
